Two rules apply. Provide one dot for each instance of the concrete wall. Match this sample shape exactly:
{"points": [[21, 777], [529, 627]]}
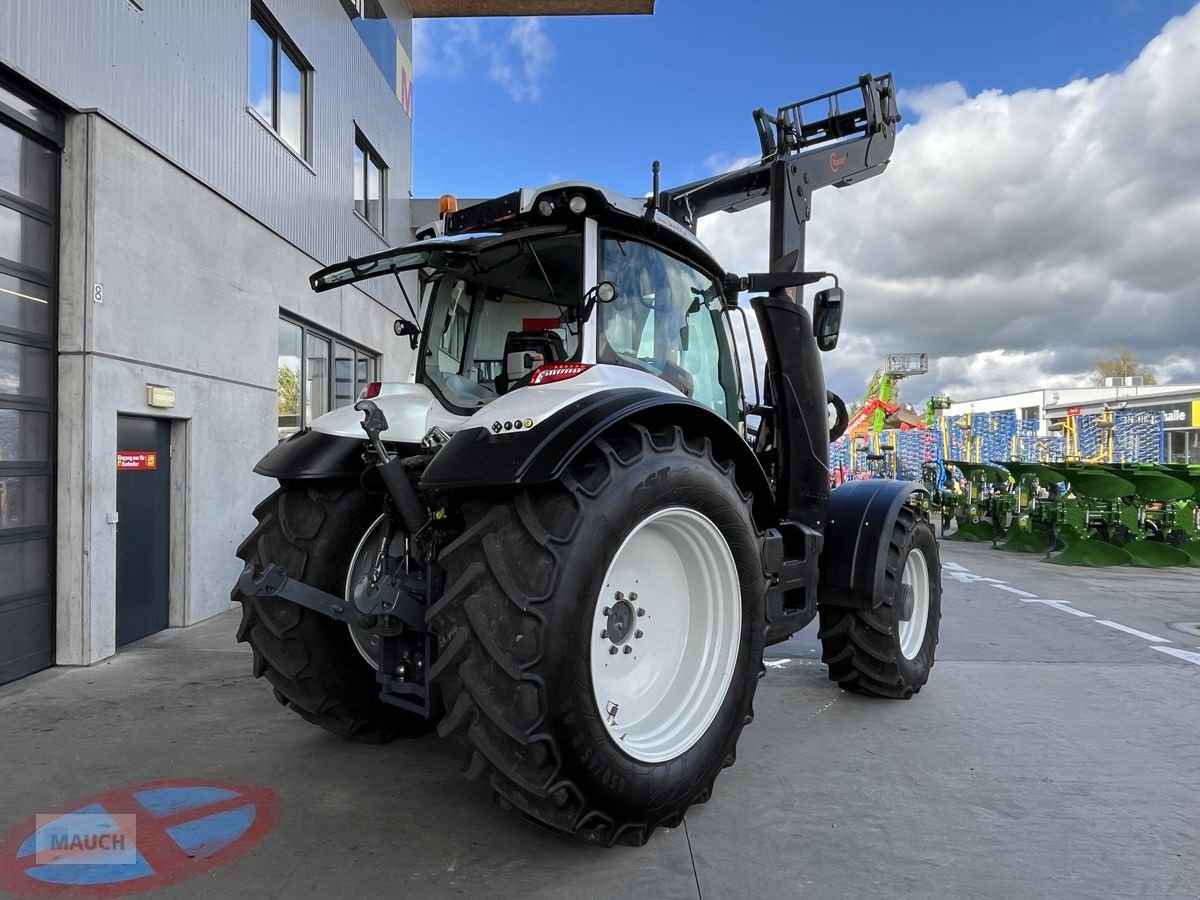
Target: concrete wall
{"points": [[192, 292]]}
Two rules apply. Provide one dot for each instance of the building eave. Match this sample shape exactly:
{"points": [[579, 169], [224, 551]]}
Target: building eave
{"points": [[442, 9]]}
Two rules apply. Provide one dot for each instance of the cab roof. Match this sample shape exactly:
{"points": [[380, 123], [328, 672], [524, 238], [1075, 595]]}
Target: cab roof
{"points": [[552, 204]]}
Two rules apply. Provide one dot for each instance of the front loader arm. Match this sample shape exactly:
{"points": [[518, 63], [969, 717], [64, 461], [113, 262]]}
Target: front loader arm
{"points": [[839, 148]]}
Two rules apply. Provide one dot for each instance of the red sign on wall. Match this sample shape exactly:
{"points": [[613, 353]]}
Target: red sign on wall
{"points": [[136, 460], [1074, 410]]}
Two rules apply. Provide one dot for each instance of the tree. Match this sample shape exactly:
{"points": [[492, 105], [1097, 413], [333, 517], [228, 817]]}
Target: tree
{"points": [[873, 385], [289, 392], [875, 388], [1122, 364]]}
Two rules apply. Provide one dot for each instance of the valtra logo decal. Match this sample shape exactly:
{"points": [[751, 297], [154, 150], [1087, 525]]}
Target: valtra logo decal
{"points": [[836, 161], [165, 831]]}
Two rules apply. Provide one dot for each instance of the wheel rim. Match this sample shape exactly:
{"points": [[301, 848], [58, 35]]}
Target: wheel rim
{"points": [[665, 634], [916, 580], [366, 641]]}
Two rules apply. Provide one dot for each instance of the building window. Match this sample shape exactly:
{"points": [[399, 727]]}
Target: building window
{"points": [[370, 182], [1029, 412], [279, 81], [312, 381]]}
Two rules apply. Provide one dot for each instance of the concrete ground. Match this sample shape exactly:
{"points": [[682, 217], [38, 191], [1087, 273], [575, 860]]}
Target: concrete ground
{"points": [[1054, 753]]}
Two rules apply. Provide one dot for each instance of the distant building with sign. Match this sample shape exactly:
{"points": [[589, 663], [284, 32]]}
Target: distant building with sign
{"points": [[1178, 403], [170, 175]]}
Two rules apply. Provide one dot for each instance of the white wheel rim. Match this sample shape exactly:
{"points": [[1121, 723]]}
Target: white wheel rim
{"points": [[915, 579], [659, 698], [366, 642]]}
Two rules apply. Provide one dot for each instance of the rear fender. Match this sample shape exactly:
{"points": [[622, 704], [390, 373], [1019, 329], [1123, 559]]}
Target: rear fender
{"points": [[490, 457], [854, 555]]}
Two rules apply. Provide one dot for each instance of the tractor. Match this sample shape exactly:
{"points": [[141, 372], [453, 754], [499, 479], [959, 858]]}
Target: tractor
{"points": [[567, 538]]}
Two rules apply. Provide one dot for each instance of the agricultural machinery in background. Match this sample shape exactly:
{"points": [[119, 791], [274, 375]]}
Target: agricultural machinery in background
{"points": [[1086, 514], [1093, 491]]}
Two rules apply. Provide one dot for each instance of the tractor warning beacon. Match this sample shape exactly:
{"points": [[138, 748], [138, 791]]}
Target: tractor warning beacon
{"points": [[568, 536]]}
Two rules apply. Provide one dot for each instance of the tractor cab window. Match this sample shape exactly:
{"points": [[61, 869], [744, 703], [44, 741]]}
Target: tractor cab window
{"points": [[491, 322], [666, 320]]}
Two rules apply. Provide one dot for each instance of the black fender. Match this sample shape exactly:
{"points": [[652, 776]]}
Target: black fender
{"points": [[484, 458], [854, 555], [314, 454]]}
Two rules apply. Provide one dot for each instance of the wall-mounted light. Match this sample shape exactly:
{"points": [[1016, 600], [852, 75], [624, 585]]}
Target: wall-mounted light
{"points": [[160, 396]]}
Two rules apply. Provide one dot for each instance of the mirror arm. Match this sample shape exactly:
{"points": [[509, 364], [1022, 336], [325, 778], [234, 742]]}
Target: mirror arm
{"points": [[770, 281]]}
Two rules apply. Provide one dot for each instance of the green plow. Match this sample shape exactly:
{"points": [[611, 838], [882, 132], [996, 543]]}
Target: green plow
{"points": [[972, 507], [1080, 514], [1087, 550]]}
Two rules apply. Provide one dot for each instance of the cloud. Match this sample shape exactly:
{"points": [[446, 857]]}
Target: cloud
{"points": [[718, 163], [929, 101], [1018, 237], [517, 59]]}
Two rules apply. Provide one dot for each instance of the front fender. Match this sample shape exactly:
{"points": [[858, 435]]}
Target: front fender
{"points": [[854, 555], [490, 457], [314, 454]]}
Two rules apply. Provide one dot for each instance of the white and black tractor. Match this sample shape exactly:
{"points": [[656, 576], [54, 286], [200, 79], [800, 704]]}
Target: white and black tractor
{"points": [[567, 538]]}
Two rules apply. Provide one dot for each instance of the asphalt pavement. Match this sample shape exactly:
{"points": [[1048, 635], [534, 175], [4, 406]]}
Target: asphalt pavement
{"points": [[1055, 753]]}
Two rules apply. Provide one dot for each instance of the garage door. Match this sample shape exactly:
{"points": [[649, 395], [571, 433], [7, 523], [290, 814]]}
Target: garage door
{"points": [[30, 138]]}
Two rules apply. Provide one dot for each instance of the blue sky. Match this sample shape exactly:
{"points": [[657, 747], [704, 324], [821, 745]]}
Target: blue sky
{"points": [[618, 92], [1041, 208]]}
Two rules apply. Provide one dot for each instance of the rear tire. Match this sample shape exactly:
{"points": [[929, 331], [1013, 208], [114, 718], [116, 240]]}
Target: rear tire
{"points": [[519, 632], [878, 651], [311, 530]]}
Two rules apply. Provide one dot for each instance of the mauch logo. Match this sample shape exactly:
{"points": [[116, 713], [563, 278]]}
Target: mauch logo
{"points": [[85, 839], [134, 839]]}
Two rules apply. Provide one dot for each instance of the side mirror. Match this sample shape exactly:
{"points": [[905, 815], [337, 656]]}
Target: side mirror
{"points": [[827, 317], [411, 330]]}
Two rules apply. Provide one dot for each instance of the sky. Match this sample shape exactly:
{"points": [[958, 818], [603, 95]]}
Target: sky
{"points": [[1041, 208]]}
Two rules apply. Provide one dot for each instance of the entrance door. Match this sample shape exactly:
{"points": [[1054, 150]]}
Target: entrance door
{"points": [[29, 157], [143, 526]]}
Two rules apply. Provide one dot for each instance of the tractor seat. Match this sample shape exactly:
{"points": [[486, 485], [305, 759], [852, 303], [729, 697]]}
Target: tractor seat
{"points": [[524, 352]]}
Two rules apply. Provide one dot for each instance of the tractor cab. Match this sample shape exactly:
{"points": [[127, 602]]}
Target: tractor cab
{"points": [[511, 297], [493, 319]]}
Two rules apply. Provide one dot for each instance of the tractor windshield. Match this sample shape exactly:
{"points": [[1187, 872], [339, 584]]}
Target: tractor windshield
{"points": [[491, 321], [667, 320]]}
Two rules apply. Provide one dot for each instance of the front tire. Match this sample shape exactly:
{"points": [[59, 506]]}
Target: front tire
{"points": [[888, 651], [311, 530], [531, 618]]}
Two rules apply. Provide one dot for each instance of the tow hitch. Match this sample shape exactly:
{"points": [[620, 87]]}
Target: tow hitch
{"points": [[394, 606]]}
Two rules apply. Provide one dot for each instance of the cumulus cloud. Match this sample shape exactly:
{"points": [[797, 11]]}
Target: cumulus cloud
{"points": [[929, 101], [1018, 237], [518, 58]]}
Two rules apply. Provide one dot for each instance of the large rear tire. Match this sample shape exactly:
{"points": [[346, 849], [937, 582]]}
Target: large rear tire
{"points": [[311, 529], [601, 682], [888, 651]]}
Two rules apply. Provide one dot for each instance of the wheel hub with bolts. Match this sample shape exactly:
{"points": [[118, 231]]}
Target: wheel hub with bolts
{"points": [[619, 624], [907, 601]]}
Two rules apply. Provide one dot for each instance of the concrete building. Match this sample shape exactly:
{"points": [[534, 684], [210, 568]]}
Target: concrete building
{"points": [[1179, 404], [170, 174]]}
